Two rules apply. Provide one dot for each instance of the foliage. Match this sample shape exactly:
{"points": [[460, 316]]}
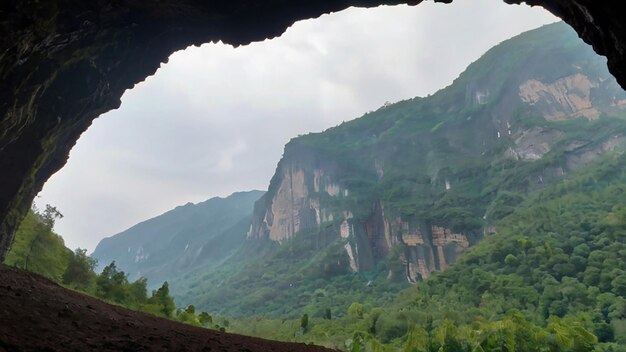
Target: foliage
{"points": [[37, 248], [355, 311], [550, 279], [80, 270], [216, 228], [446, 160], [164, 301], [302, 275], [40, 250], [205, 319]]}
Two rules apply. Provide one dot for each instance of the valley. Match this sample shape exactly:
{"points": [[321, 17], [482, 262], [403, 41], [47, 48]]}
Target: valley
{"points": [[489, 216]]}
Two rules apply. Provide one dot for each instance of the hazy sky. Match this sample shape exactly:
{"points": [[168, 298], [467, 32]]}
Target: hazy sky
{"points": [[214, 120]]}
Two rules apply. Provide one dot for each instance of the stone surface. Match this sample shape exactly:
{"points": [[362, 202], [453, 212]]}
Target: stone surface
{"points": [[565, 98], [63, 63]]}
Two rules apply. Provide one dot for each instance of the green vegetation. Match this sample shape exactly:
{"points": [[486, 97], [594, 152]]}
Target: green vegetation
{"points": [[38, 249], [302, 275], [551, 279], [189, 237], [451, 160], [472, 156]]}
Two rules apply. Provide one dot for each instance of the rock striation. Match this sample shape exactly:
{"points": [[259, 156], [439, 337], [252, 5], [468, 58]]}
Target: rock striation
{"points": [[564, 98], [300, 199]]}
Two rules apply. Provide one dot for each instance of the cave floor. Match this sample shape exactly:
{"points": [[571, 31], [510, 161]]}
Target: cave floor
{"points": [[36, 314]]}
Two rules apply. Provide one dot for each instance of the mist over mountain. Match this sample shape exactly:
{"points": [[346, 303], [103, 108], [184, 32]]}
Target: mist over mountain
{"points": [[182, 239]]}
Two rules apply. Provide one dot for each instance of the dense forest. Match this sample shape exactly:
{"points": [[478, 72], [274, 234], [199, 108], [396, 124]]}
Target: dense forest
{"points": [[551, 279]]}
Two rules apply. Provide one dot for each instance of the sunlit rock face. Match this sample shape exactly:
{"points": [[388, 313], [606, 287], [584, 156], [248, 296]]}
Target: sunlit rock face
{"points": [[565, 98], [63, 63]]}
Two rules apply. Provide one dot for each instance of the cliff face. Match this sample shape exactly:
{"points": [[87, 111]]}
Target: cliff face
{"points": [[305, 198], [425, 175], [568, 97], [295, 203]]}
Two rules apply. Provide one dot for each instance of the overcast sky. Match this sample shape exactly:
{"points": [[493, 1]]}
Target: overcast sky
{"points": [[214, 120]]}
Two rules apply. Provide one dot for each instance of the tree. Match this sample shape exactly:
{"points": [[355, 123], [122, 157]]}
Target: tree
{"points": [[570, 336], [42, 231], [619, 285], [163, 300], [355, 311], [188, 315], [112, 284], [205, 319], [304, 322], [417, 339], [38, 249], [327, 314], [49, 216], [138, 291], [80, 270], [511, 260], [372, 318]]}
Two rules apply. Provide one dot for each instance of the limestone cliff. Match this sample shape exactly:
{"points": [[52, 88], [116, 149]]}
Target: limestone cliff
{"points": [[307, 198], [431, 176]]}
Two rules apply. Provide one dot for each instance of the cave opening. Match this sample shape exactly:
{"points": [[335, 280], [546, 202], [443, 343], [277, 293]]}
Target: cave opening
{"points": [[56, 79], [214, 119]]}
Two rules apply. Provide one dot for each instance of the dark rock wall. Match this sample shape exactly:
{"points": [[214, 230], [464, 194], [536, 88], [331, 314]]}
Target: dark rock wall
{"points": [[65, 62]]}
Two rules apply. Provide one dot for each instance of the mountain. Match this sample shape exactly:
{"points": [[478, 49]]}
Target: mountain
{"points": [[550, 279], [180, 240], [432, 175], [363, 208]]}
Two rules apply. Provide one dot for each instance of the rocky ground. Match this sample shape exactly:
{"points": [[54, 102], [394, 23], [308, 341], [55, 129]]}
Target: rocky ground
{"points": [[36, 314]]}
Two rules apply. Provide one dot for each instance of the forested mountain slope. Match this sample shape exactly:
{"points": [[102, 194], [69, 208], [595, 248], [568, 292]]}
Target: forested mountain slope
{"points": [[182, 239], [552, 278], [402, 192]]}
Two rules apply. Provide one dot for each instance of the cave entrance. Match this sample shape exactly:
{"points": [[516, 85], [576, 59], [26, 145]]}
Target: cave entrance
{"points": [[214, 120]]}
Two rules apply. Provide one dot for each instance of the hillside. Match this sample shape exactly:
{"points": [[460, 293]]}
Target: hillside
{"points": [[392, 197], [551, 279], [39, 315], [180, 240]]}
